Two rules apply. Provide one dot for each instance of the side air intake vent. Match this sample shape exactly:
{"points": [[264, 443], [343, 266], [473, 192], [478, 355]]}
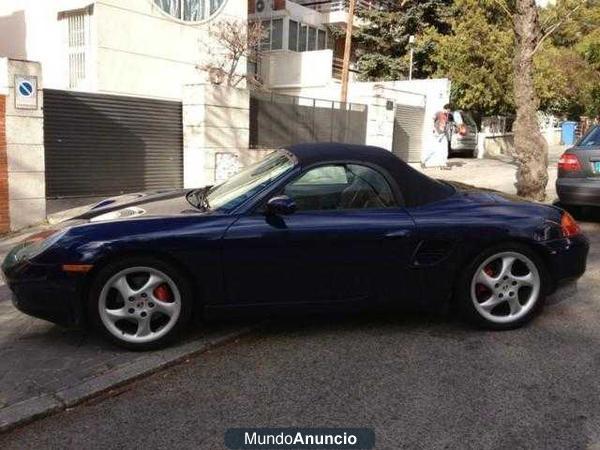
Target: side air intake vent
{"points": [[433, 252]]}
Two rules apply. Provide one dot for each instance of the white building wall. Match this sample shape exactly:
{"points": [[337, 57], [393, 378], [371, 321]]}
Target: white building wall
{"points": [[135, 48], [143, 51], [29, 30], [287, 69]]}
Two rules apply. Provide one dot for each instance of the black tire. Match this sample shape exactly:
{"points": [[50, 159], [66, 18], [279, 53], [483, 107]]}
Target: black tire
{"points": [[466, 305], [185, 300]]}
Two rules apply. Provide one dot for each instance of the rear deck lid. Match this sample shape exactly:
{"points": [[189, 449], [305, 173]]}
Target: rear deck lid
{"points": [[587, 151]]}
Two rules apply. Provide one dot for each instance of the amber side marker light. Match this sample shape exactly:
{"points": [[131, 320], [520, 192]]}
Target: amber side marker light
{"points": [[77, 268], [569, 226]]}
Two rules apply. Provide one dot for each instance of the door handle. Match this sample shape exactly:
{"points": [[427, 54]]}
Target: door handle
{"points": [[398, 234]]}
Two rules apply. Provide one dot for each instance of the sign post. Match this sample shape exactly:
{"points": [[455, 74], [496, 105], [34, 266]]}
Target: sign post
{"points": [[26, 90]]}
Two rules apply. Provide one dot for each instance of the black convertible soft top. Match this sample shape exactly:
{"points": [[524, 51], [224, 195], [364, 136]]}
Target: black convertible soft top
{"points": [[417, 189]]}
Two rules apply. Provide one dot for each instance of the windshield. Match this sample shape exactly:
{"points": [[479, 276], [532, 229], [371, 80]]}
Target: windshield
{"points": [[461, 117], [233, 192], [592, 139]]}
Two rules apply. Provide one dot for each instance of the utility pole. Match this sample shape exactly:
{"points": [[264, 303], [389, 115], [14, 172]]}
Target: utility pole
{"points": [[347, 51], [411, 43]]}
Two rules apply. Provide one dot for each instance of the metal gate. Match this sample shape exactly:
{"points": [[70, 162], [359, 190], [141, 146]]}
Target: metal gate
{"points": [[281, 120], [408, 132], [99, 145]]}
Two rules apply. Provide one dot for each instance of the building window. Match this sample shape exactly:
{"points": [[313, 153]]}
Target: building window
{"points": [[77, 44], [321, 40], [277, 34], [265, 43], [293, 36], [190, 10], [273, 35], [312, 39], [302, 38]]}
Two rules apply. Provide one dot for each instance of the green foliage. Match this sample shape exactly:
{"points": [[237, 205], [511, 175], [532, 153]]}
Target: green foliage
{"points": [[477, 57], [472, 42], [382, 39], [568, 66]]}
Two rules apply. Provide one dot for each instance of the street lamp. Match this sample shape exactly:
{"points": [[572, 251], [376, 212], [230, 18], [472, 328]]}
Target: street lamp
{"points": [[411, 42]]}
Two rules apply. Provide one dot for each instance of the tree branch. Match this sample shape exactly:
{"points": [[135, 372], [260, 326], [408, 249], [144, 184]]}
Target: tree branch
{"points": [[502, 5], [554, 27]]}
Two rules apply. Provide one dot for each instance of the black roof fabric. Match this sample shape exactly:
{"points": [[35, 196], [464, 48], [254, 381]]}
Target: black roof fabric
{"points": [[417, 189]]}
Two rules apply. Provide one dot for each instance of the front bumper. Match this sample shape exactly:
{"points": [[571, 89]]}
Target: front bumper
{"points": [[566, 259], [46, 292], [578, 191]]}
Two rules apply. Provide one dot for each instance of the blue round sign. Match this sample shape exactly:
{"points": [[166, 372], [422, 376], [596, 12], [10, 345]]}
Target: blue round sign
{"points": [[26, 89]]}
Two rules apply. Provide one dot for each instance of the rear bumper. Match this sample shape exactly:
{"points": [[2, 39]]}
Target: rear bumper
{"points": [[578, 191], [566, 259], [463, 146]]}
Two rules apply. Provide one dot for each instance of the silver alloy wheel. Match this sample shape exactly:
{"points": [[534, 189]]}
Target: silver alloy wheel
{"points": [[505, 290], [139, 306]]}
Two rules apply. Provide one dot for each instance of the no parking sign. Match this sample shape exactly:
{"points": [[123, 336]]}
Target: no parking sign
{"points": [[26, 92]]}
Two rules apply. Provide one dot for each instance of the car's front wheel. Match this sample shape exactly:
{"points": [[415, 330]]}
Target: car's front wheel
{"points": [[140, 303], [503, 288]]}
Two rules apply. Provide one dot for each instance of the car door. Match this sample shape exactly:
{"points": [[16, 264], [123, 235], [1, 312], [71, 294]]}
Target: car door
{"points": [[349, 230]]}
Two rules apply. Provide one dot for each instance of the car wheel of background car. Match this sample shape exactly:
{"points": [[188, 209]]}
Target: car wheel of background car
{"points": [[140, 303], [503, 288]]}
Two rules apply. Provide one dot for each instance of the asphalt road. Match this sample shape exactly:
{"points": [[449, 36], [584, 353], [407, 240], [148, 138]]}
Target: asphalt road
{"points": [[419, 381]]}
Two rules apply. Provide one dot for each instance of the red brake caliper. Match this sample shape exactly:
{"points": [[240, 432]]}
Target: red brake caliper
{"points": [[163, 293], [480, 289], [488, 271]]}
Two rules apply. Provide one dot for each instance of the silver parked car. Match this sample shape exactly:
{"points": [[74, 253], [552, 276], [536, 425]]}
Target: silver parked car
{"points": [[463, 134], [578, 182]]}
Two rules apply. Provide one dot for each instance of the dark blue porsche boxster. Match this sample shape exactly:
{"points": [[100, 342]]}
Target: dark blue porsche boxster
{"points": [[316, 225]]}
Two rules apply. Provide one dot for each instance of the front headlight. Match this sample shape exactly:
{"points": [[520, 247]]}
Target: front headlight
{"points": [[38, 243]]}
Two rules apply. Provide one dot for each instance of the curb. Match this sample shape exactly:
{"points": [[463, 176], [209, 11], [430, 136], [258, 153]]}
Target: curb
{"points": [[44, 405]]}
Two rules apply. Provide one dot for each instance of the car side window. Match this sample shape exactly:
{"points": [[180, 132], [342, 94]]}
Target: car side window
{"points": [[341, 187]]}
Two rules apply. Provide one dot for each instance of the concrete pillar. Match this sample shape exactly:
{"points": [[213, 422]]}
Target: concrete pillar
{"points": [[25, 149], [216, 132], [380, 120]]}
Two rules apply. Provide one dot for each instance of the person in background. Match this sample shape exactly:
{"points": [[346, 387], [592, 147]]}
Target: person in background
{"points": [[442, 132]]}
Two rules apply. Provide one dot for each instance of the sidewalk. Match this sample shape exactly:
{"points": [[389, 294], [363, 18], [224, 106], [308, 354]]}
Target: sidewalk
{"points": [[45, 368], [498, 173]]}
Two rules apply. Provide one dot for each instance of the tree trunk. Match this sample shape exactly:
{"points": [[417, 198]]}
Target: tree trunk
{"points": [[531, 149]]}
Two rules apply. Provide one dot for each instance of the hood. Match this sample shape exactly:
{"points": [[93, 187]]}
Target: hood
{"points": [[155, 203]]}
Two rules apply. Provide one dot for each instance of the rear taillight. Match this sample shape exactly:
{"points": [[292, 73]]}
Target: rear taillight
{"points": [[569, 226], [569, 163]]}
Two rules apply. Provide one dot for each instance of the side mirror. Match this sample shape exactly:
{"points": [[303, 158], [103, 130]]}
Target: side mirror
{"points": [[281, 205]]}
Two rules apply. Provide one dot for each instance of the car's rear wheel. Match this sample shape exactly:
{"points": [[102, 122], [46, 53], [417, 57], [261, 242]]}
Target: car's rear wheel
{"points": [[503, 288], [140, 303]]}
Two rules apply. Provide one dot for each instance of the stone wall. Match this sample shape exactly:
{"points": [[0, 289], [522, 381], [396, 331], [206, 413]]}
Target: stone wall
{"points": [[380, 121], [216, 133], [25, 152], [503, 144]]}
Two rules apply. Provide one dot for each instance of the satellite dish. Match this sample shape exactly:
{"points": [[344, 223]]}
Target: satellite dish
{"points": [[260, 6]]}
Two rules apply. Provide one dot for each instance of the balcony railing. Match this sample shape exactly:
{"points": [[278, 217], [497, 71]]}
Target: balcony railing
{"points": [[338, 65], [342, 5]]}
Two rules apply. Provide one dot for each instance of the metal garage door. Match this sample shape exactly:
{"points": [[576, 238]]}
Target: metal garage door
{"points": [[280, 120], [408, 132], [100, 145]]}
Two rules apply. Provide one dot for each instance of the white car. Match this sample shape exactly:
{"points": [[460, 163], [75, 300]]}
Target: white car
{"points": [[463, 134]]}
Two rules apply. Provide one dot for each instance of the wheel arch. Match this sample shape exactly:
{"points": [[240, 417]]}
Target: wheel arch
{"points": [[469, 257], [110, 257]]}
